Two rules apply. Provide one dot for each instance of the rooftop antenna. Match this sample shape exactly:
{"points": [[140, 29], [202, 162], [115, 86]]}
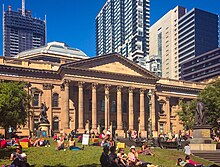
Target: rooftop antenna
{"points": [[23, 7], [45, 21]]}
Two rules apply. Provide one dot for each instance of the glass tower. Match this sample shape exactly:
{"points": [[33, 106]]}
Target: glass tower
{"points": [[21, 31], [122, 26], [198, 33]]}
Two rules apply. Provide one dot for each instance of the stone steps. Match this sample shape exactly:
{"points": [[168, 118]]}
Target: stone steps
{"points": [[211, 156]]}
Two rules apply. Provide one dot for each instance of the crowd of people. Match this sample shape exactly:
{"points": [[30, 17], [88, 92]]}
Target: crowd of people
{"points": [[112, 156], [117, 156]]}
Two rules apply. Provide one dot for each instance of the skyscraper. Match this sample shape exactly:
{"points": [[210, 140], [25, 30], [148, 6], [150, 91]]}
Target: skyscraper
{"points": [[21, 31], [122, 26], [164, 44], [198, 33]]}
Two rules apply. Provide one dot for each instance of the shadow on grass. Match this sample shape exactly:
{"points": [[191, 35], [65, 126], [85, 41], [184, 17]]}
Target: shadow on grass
{"points": [[5, 153], [90, 165], [58, 165]]}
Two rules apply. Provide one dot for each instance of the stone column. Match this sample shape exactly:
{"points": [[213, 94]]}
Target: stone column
{"points": [[65, 113], [80, 108], [119, 130], [94, 108], [48, 101], [153, 113], [131, 108], [168, 114], [142, 114], [107, 116]]}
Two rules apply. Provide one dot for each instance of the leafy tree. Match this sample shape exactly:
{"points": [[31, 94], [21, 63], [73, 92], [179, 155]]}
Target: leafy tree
{"points": [[13, 104], [210, 96], [187, 113]]}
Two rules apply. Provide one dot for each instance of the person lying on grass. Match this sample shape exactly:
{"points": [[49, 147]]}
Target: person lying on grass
{"points": [[180, 162], [190, 161]]}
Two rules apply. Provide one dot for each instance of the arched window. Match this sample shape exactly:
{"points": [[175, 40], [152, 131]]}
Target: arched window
{"points": [[55, 124], [55, 100]]}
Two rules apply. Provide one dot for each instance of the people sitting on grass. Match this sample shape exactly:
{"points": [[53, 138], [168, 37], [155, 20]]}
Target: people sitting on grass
{"points": [[3, 143], [104, 159], [60, 144], [71, 143], [122, 158], [113, 157], [133, 157], [29, 140], [146, 150], [41, 142], [18, 158]]}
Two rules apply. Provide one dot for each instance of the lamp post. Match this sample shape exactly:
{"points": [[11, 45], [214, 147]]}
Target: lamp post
{"points": [[107, 97], [149, 94]]}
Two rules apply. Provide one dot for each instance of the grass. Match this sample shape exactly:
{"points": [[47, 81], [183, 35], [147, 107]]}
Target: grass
{"points": [[89, 157]]}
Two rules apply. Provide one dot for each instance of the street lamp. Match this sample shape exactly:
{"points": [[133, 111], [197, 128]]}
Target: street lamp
{"points": [[149, 94], [107, 98]]}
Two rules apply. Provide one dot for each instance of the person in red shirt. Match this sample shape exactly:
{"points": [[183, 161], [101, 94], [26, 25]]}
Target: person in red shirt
{"points": [[3, 143], [190, 161]]}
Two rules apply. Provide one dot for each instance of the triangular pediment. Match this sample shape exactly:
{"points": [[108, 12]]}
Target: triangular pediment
{"points": [[112, 64], [116, 67]]}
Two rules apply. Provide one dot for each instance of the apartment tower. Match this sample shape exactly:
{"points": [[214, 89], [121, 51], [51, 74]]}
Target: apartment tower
{"points": [[164, 44], [122, 26]]}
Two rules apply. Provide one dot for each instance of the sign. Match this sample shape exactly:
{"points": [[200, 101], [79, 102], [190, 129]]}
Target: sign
{"points": [[85, 139]]}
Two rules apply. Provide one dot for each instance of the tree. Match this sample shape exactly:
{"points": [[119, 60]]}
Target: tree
{"points": [[187, 114], [13, 104], [210, 96]]}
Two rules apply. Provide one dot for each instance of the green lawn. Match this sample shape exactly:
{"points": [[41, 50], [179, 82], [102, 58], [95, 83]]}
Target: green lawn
{"points": [[49, 157]]}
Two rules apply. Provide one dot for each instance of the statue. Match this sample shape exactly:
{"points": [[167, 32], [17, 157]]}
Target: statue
{"points": [[200, 118], [43, 113]]}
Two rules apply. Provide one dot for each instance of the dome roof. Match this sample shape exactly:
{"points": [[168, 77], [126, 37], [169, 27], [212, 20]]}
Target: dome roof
{"points": [[58, 48]]}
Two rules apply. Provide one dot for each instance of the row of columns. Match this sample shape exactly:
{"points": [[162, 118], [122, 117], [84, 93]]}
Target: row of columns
{"points": [[107, 113]]}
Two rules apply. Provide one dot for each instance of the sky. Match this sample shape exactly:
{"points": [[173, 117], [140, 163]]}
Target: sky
{"points": [[73, 21]]}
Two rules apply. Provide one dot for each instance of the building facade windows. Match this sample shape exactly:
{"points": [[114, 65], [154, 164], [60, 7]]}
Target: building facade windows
{"points": [[35, 100], [55, 100], [55, 125]]}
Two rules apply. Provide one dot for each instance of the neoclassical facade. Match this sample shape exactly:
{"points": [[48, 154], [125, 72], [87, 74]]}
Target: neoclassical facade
{"points": [[100, 93]]}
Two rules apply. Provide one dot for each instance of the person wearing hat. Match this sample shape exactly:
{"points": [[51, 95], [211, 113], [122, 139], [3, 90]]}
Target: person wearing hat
{"points": [[133, 157]]}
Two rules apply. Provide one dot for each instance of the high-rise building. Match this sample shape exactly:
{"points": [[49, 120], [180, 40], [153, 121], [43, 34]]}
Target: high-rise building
{"points": [[164, 44], [122, 26], [198, 33], [21, 31]]}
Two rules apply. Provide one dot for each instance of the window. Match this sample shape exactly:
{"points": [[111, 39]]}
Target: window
{"points": [[36, 122], [90, 104], [161, 128], [55, 100], [124, 107], [35, 101], [55, 123], [102, 105], [113, 106]]}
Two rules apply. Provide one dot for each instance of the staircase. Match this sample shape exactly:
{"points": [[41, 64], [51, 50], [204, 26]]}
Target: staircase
{"points": [[213, 156]]}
